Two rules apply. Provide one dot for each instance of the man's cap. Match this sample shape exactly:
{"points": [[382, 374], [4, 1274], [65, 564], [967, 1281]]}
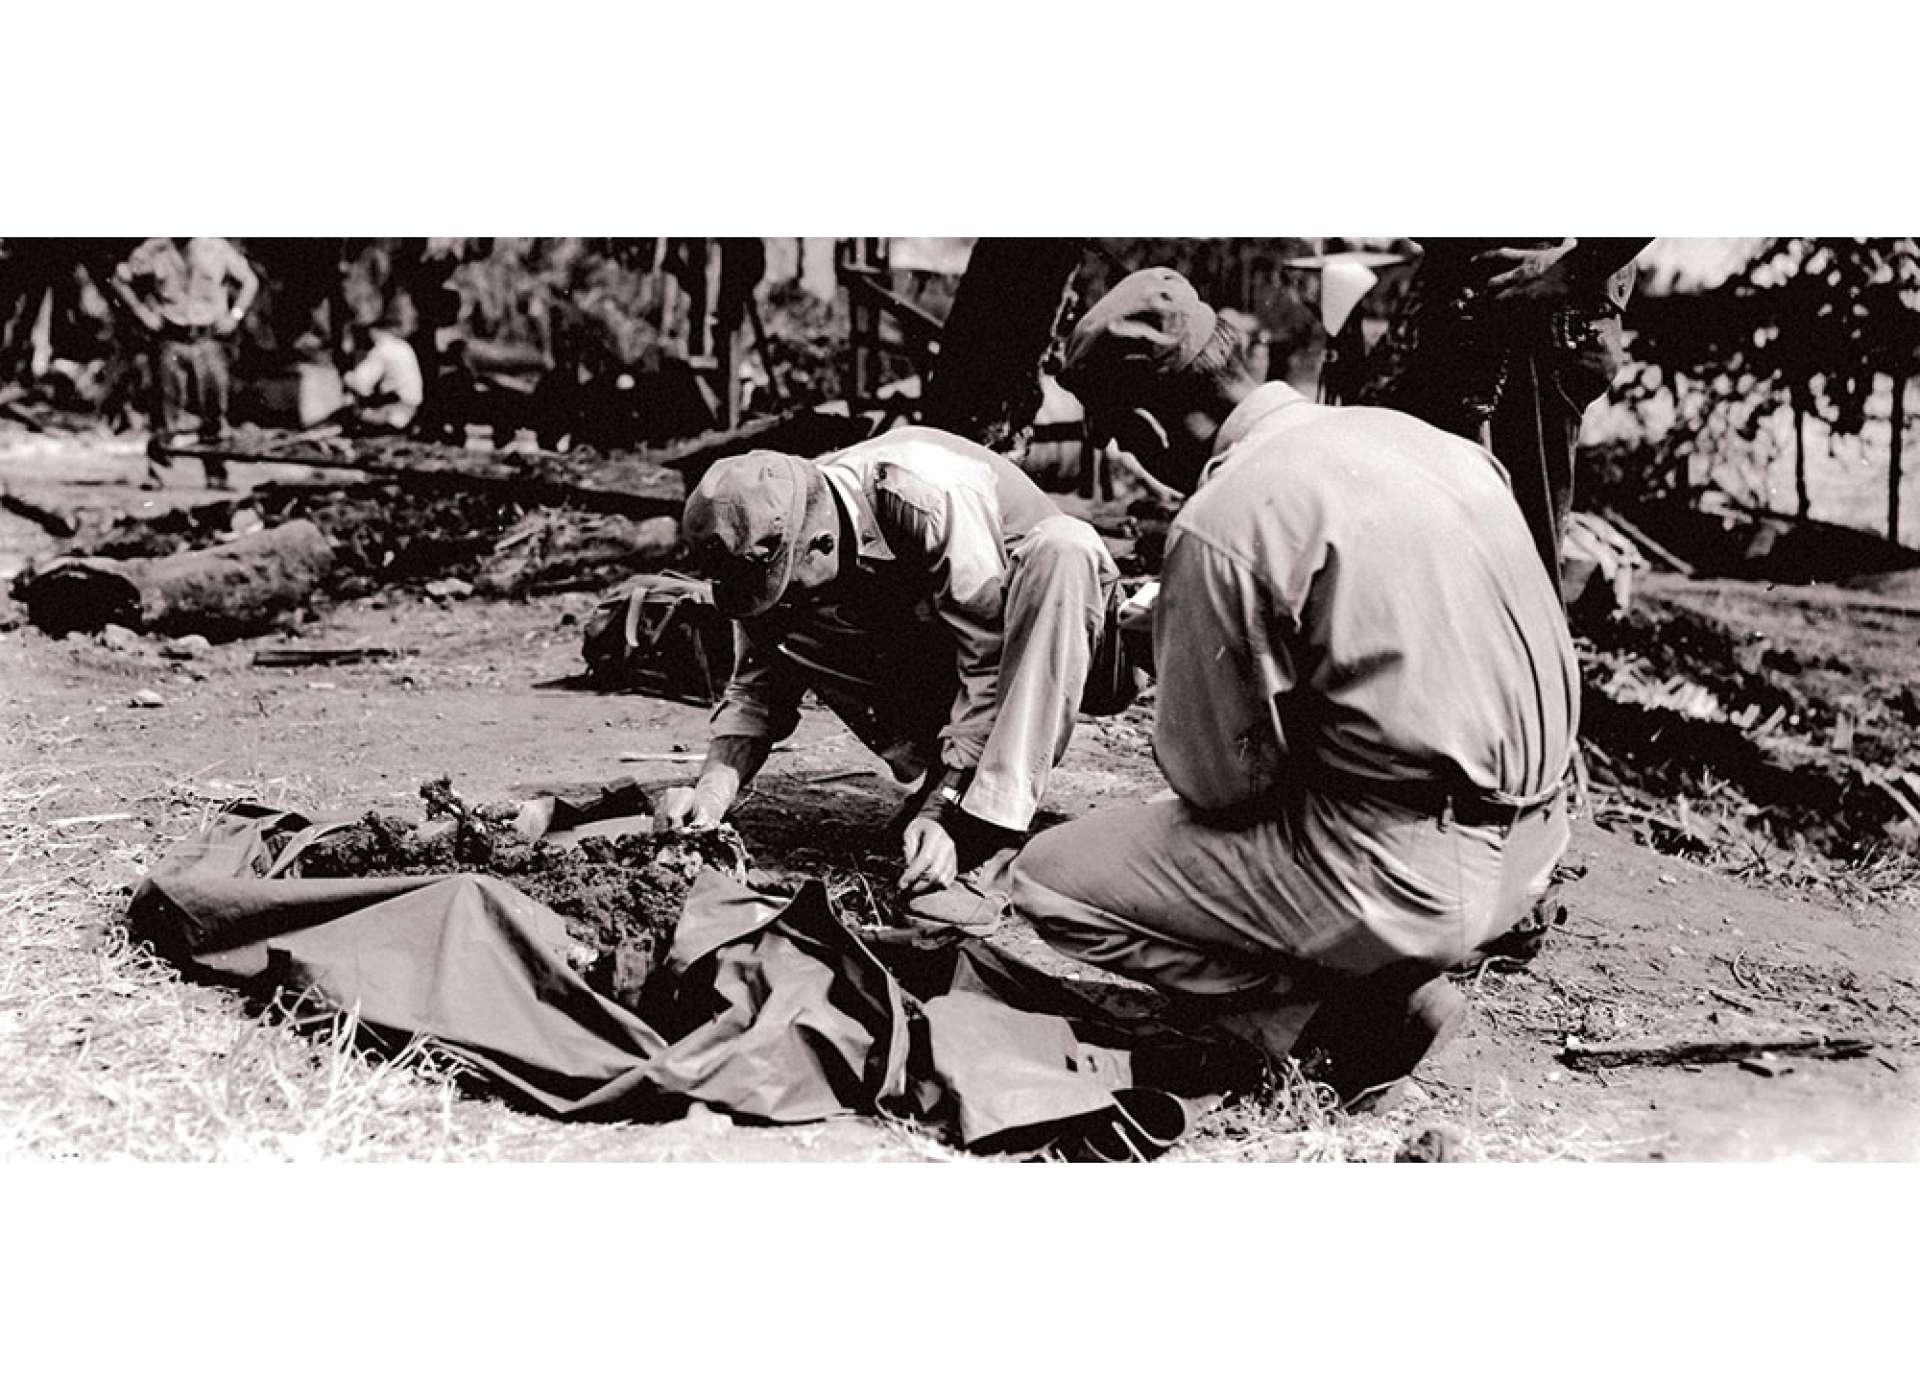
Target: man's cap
{"points": [[1151, 324], [744, 520]]}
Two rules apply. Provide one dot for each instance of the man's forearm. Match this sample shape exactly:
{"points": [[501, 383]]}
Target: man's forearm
{"points": [[142, 313], [732, 760]]}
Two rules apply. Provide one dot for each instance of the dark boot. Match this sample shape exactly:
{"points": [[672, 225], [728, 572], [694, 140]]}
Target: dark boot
{"points": [[1371, 1034]]}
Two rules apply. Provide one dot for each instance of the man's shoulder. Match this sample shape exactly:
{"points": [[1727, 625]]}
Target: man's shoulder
{"points": [[146, 253], [919, 467]]}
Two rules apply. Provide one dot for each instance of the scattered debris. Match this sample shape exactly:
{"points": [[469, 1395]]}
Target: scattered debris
{"points": [[1437, 1142], [554, 551]]}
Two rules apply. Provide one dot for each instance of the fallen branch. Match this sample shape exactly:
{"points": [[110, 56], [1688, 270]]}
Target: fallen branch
{"points": [[323, 656], [55, 522], [1579, 1055]]}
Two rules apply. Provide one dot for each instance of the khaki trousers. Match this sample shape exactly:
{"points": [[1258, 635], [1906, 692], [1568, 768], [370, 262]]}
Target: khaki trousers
{"points": [[1326, 886]]}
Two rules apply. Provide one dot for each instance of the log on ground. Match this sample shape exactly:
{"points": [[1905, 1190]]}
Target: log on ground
{"points": [[232, 590]]}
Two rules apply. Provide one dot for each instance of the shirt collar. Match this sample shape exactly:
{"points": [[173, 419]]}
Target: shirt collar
{"points": [[850, 490], [1262, 404], [1259, 411]]}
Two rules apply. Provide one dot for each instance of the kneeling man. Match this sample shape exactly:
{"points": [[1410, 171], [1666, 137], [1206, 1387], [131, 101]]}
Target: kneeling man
{"points": [[1367, 707], [934, 598]]}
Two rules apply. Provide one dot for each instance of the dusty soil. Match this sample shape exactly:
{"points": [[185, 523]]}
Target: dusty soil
{"points": [[1657, 946]]}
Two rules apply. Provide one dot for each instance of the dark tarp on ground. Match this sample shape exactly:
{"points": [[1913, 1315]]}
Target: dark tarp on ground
{"points": [[777, 1013]]}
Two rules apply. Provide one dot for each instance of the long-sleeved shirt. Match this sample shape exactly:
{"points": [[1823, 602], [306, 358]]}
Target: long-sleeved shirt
{"points": [[935, 518], [1354, 590]]}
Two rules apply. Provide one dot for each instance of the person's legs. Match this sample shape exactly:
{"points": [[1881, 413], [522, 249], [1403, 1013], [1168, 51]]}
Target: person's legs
{"points": [[1055, 610], [1534, 434], [213, 388], [168, 400], [1156, 894]]}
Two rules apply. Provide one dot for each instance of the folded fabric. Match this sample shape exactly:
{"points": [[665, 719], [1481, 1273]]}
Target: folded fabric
{"points": [[768, 1007]]}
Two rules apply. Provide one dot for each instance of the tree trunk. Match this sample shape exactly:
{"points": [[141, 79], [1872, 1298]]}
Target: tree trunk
{"points": [[1897, 415], [985, 384], [1802, 507]]}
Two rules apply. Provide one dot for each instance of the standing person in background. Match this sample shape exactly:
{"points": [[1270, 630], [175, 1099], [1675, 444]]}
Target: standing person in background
{"points": [[178, 288], [1508, 342]]}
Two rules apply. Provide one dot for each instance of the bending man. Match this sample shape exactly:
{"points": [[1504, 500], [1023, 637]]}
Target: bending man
{"points": [[934, 598], [1366, 711]]}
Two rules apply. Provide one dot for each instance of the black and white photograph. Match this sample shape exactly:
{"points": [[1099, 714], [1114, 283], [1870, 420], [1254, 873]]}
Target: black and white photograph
{"points": [[1086, 699], [1095, 624]]}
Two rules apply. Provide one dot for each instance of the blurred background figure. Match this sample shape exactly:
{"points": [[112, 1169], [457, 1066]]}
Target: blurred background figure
{"points": [[1508, 341], [191, 295], [386, 387]]}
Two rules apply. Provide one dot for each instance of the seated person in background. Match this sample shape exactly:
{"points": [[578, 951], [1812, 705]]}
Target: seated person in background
{"points": [[386, 386]]}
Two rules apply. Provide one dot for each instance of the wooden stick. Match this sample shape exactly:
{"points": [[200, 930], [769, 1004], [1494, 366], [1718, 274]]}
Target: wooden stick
{"points": [[56, 523], [323, 656], [1709, 1052]]}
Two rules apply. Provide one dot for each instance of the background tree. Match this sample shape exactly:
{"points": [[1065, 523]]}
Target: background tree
{"points": [[1809, 327]]}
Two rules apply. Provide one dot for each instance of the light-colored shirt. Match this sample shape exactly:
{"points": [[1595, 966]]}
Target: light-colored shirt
{"points": [[390, 373], [936, 516], [187, 286], [1355, 590]]}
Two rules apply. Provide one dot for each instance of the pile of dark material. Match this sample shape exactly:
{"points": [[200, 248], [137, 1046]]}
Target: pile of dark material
{"points": [[385, 534], [620, 895], [1725, 715]]}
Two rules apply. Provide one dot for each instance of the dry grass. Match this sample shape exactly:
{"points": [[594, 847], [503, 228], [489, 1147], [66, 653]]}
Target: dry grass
{"points": [[106, 1053]]}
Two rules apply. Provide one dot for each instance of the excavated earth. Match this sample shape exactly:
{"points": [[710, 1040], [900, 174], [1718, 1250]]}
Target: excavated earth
{"points": [[619, 895]]}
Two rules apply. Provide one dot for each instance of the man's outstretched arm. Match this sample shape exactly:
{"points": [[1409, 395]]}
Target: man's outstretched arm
{"points": [[731, 762]]}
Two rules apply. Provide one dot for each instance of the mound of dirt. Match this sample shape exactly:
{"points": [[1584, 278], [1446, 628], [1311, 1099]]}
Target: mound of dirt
{"points": [[619, 895]]}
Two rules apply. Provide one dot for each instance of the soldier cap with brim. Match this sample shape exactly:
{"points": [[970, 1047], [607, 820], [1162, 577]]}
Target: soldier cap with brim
{"points": [[744, 521]]}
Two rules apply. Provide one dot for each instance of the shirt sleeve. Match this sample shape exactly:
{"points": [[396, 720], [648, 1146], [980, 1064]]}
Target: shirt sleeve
{"points": [[365, 377], [1222, 653], [954, 537], [762, 700]]}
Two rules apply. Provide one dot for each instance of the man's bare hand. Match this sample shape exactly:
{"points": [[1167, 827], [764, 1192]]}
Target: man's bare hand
{"points": [[932, 862], [1527, 274], [687, 807]]}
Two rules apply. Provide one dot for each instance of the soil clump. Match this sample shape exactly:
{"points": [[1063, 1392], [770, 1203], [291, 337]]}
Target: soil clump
{"points": [[620, 895]]}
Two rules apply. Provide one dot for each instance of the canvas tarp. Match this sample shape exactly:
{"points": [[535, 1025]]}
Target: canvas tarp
{"points": [[773, 1011]]}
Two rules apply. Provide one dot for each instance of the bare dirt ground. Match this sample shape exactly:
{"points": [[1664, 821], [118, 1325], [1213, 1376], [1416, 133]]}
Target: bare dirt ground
{"points": [[98, 1044]]}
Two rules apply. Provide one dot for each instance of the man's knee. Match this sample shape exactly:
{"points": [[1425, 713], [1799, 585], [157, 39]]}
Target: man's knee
{"points": [[1041, 878]]}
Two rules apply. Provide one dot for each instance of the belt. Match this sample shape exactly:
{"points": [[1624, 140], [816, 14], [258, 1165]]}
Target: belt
{"points": [[188, 335], [1437, 798]]}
